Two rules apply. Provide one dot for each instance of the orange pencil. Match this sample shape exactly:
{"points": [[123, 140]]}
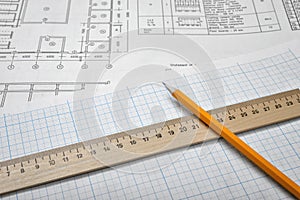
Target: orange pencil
{"points": [[236, 142]]}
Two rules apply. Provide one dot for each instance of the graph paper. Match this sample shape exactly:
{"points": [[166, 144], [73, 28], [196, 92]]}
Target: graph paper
{"points": [[213, 170]]}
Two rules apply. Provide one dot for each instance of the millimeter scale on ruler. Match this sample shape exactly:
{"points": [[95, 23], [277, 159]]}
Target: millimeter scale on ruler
{"points": [[108, 151]]}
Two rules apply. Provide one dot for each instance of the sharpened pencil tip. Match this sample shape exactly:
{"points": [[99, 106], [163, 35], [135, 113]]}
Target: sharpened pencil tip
{"points": [[169, 88]]}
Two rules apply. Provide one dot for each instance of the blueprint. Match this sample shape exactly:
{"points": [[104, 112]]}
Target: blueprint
{"points": [[56, 53], [49, 41], [45, 44]]}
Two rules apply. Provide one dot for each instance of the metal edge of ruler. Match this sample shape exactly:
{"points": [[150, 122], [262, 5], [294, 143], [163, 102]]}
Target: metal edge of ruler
{"points": [[248, 122]]}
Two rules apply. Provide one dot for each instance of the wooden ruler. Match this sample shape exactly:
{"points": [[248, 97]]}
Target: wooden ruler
{"points": [[123, 147]]}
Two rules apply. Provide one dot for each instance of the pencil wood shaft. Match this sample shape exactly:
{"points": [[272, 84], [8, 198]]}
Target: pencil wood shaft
{"points": [[237, 143]]}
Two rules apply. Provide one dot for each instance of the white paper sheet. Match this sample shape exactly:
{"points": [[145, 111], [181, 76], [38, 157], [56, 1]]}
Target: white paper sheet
{"points": [[55, 52]]}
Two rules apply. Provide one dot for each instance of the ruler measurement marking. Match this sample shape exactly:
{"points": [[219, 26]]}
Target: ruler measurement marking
{"points": [[80, 156]]}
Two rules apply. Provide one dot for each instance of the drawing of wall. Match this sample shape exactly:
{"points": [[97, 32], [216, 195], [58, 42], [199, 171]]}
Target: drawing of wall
{"points": [[51, 44], [5, 39], [30, 88], [10, 11], [46, 11]]}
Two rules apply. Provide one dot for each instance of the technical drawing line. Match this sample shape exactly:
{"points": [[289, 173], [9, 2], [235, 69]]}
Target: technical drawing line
{"points": [[33, 88]]}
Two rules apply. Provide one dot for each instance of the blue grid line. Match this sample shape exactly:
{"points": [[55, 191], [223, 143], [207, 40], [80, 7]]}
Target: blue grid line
{"points": [[186, 171]]}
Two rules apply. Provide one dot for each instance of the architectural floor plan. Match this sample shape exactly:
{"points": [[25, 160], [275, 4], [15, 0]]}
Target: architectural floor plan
{"points": [[36, 33], [52, 41], [38, 36]]}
